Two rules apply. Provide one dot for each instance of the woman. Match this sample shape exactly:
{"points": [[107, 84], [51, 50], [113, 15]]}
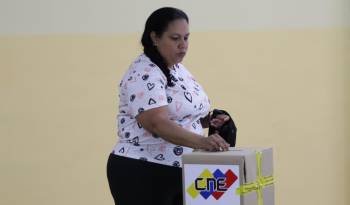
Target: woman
{"points": [[162, 113]]}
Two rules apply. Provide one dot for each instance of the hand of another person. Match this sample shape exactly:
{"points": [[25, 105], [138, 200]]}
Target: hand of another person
{"points": [[219, 120], [215, 143]]}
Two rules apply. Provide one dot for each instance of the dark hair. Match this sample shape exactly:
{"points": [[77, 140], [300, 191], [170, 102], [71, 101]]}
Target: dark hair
{"points": [[158, 22]]}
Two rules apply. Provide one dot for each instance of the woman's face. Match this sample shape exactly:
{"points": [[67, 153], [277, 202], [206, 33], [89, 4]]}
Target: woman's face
{"points": [[173, 43]]}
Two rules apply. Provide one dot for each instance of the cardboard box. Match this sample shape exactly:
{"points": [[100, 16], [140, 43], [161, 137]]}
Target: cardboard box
{"points": [[240, 176]]}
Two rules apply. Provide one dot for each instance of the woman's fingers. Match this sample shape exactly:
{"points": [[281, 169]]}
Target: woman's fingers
{"points": [[222, 143], [214, 145], [215, 123], [217, 143], [223, 117], [219, 120]]}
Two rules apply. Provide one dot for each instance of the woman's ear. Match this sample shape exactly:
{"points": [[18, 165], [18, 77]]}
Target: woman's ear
{"points": [[154, 38]]}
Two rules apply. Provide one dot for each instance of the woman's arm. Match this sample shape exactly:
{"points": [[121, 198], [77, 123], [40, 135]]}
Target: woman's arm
{"points": [[156, 121]]}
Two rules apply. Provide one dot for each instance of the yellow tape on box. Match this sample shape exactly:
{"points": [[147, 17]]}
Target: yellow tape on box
{"points": [[259, 184]]}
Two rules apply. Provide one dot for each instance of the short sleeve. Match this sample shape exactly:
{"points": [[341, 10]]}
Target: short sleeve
{"points": [[145, 89]]}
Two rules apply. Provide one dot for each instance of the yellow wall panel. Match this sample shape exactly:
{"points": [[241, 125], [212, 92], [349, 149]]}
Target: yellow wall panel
{"points": [[285, 88]]}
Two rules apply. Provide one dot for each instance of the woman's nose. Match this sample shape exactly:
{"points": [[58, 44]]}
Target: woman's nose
{"points": [[183, 44]]}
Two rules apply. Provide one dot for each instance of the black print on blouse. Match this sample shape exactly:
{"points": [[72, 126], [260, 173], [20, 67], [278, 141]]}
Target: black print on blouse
{"points": [[145, 77], [139, 125], [188, 96], [162, 82], [194, 125], [173, 78], [135, 141], [141, 149], [198, 122], [127, 135], [170, 99], [196, 89], [152, 65], [178, 150], [134, 71], [151, 101], [183, 87], [201, 107], [121, 150], [160, 157], [143, 159], [181, 79], [130, 78], [141, 110], [122, 120], [122, 111], [176, 164], [132, 97], [187, 116], [150, 86]]}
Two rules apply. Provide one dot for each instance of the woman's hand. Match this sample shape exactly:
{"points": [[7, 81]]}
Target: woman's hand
{"points": [[215, 143], [219, 120]]}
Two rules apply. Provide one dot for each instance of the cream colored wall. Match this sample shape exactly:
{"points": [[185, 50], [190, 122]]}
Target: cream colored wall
{"points": [[286, 88], [347, 114]]}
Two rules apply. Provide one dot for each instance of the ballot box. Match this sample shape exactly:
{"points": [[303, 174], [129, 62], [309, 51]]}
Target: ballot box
{"points": [[240, 176]]}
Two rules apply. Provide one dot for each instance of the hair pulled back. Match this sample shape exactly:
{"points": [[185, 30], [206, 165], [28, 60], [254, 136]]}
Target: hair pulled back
{"points": [[158, 22]]}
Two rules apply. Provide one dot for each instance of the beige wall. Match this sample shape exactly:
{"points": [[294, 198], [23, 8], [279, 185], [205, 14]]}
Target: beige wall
{"points": [[286, 88], [347, 112]]}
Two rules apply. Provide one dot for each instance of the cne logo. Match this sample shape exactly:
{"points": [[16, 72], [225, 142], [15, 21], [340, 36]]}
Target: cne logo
{"points": [[211, 184]]}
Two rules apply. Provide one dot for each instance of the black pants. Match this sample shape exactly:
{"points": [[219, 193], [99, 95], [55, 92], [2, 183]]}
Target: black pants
{"points": [[137, 182]]}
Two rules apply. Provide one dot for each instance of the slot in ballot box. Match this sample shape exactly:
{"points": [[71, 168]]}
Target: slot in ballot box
{"points": [[240, 176]]}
